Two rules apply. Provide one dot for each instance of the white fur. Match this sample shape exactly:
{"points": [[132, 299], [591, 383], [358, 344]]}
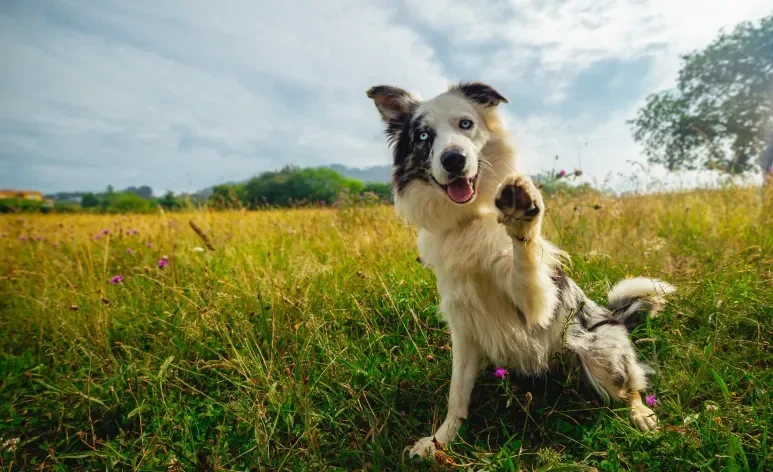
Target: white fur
{"points": [[641, 287]]}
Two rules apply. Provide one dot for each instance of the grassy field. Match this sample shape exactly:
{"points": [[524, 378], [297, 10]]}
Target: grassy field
{"points": [[308, 340]]}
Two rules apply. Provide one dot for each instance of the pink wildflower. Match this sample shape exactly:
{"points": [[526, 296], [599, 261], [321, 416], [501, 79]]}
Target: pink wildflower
{"points": [[163, 262], [38, 238], [500, 372], [651, 400], [22, 238], [149, 245], [561, 173], [133, 231], [116, 279], [105, 231], [97, 236], [129, 251]]}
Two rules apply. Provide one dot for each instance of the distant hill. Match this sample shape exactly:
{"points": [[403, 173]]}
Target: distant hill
{"points": [[382, 174]]}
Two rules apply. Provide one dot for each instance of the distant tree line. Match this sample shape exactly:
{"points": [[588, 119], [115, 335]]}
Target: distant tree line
{"points": [[288, 187]]}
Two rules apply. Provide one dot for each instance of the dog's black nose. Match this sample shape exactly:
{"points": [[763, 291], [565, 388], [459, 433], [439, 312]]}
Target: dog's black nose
{"points": [[453, 161]]}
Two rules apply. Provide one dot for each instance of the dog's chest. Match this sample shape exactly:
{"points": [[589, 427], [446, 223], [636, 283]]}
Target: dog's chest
{"points": [[478, 307], [490, 318]]}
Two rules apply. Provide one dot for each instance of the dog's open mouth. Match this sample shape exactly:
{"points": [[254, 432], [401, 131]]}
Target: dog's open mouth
{"points": [[461, 189]]}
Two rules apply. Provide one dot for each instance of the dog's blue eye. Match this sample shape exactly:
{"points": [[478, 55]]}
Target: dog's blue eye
{"points": [[424, 136], [465, 124]]}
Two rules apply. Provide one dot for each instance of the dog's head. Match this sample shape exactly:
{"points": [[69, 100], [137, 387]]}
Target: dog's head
{"points": [[449, 152]]}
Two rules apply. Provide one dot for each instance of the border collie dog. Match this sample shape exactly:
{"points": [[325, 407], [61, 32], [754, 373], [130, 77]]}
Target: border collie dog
{"points": [[503, 292]]}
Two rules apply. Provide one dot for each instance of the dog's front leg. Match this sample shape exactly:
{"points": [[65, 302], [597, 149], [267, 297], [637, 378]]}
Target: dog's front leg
{"points": [[521, 208], [466, 363]]}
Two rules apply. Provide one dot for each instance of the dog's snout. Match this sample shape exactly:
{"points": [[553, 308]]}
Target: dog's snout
{"points": [[453, 161]]}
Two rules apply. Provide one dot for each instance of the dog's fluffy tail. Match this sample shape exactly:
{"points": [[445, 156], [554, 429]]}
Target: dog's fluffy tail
{"points": [[632, 300]]}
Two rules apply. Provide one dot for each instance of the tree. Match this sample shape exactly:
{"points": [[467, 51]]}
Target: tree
{"points": [[170, 202], [127, 202], [383, 191], [292, 185], [227, 196], [721, 111], [89, 200], [143, 191]]}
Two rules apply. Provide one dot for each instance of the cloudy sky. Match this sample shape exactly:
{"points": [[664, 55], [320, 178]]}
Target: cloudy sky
{"points": [[182, 94]]}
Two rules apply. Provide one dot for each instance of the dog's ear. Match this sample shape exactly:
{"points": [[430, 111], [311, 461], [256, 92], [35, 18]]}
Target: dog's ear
{"points": [[394, 104], [480, 93]]}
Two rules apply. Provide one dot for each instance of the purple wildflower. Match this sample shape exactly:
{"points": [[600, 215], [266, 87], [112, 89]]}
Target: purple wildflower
{"points": [[149, 245], [651, 400], [116, 279], [105, 231], [133, 231], [500, 372], [561, 173], [97, 236], [55, 244], [23, 238], [129, 251], [163, 262], [38, 238]]}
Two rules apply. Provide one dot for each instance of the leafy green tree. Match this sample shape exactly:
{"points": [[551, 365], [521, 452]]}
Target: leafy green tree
{"points": [[19, 205], [292, 185], [127, 202], [143, 191], [383, 191], [170, 202], [721, 111], [227, 196], [90, 200]]}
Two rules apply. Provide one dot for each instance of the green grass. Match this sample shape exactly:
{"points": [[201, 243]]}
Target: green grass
{"points": [[309, 340]]}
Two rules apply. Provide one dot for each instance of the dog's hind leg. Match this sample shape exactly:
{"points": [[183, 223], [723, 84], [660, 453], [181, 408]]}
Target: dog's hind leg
{"points": [[611, 367], [466, 360]]}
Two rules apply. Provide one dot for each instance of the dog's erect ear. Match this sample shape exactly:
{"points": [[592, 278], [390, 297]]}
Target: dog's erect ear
{"points": [[480, 93], [393, 103]]}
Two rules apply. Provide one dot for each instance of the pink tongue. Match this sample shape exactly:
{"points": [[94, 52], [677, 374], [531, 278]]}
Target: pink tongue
{"points": [[460, 190]]}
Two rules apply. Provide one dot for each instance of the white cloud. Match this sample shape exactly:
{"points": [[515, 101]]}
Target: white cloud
{"points": [[141, 92], [544, 44], [182, 94]]}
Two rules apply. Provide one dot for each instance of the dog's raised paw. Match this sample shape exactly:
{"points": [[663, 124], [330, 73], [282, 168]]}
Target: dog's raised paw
{"points": [[519, 204]]}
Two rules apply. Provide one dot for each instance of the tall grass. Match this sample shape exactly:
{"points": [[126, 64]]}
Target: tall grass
{"points": [[308, 340]]}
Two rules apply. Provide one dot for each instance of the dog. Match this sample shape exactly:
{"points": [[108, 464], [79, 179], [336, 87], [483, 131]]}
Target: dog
{"points": [[503, 291]]}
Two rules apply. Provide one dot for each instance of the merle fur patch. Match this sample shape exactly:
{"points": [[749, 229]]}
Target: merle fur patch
{"points": [[411, 154]]}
